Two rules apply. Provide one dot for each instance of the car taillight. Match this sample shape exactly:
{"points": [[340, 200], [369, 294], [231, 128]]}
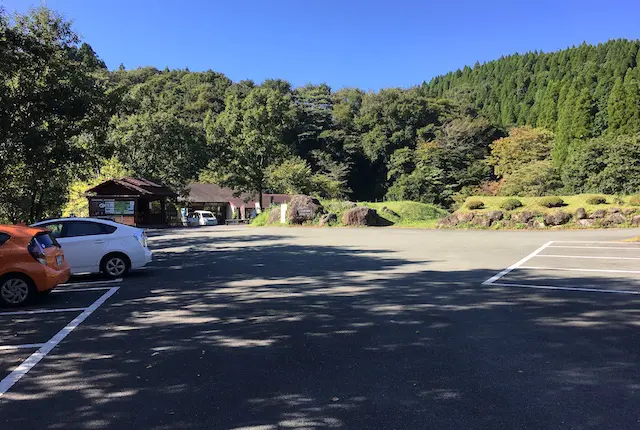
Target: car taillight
{"points": [[36, 251], [142, 238]]}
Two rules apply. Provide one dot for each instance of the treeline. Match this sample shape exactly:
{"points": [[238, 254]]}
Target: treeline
{"points": [[68, 122]]}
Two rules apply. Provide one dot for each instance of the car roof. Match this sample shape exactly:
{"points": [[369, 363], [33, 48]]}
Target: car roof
{"points": [[20, 230], [209, 212], [74, 219]]}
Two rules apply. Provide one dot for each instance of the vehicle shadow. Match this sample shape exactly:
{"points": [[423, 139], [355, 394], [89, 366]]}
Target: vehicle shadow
{"points": [[258, 332]]}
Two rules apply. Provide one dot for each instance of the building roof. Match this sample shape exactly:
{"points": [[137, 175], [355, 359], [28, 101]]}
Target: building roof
{"points": [[214, 193], [131, 186]]}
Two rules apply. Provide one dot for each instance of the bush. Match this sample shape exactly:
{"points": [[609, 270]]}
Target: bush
{"points": [[596, 200], [551, 202], [634, 200], [618, 200], [510, 204], [475, 204]]}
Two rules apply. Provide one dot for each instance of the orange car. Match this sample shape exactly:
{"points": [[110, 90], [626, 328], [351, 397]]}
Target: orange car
{"points": [[31, 262]]}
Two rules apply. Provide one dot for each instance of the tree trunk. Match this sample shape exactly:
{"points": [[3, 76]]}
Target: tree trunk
{"points": [[259, 209]]}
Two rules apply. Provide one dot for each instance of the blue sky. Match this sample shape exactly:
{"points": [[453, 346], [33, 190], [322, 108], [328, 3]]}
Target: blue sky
{"points": [[369, 44]]}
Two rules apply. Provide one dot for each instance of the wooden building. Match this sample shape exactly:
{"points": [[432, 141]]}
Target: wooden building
{"points": [[133, 201]]}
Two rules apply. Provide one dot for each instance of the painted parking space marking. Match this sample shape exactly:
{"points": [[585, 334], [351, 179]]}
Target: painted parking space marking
{"points": [[514, 266], [81, 283], [41, 311], [573, 269], [585, 264], [594, 257], [28, 364], [22, 346]]}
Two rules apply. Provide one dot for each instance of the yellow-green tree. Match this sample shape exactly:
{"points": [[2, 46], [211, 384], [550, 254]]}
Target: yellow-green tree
{"points": [[522, 146], [77, 205]]}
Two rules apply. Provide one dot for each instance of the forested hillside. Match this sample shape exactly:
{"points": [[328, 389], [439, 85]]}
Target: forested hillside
{"points": [[68, 122], [578, 93]]}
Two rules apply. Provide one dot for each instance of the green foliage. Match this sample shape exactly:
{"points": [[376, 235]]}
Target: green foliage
{"points": [[551, 202], [55, 102], [634, 200], [597, 200], [247, 138], [522, 146], [510, 204], [261, 220], [604, 165], [533, 179], [77, 204], [475, 204]]}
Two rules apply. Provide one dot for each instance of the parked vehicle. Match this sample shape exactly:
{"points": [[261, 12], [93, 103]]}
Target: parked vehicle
{"points": [[93, 245], [204, 218], [31, 262]]}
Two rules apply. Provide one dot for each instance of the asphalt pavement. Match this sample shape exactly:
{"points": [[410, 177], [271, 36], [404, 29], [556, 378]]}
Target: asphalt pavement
{"points": [[266, 328]]}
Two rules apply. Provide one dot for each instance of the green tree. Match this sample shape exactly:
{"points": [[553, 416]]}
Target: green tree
{"points": [[522, 146], [54, 109], [247, 138], [160, 147]]}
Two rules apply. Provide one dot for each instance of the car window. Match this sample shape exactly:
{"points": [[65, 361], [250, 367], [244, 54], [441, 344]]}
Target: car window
{"points": [[46, 240], [82, 228], [55, 228], [3, 238], [107, 229]]}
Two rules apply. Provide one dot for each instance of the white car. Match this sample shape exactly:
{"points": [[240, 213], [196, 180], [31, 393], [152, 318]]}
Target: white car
{"points": [[204, 218], [94, 245]]}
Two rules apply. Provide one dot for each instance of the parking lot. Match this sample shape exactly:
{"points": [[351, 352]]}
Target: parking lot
{"points": [[265, 328]]}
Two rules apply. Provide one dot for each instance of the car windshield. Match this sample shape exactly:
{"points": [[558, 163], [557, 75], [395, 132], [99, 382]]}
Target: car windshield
{"points": [[207, 214], [46, 240]]}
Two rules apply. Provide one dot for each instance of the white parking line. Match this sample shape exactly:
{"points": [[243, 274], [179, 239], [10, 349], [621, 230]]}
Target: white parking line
{"points": [[572, 269], [23, 346], [551, 287], [78, 290], [109, 281], [588, 241], [587, 257], [42, 311], [635, 248], [515, 265], [28, 364]]}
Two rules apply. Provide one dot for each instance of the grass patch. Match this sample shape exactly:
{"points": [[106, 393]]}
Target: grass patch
{"points": [[410, 214], [572, 203], [261, 219]]}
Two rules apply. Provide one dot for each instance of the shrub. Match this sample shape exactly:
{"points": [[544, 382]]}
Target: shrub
{"points": [[596, 200], [475, 204], [617, 199], [510, 204], [551, 202], [634, 200]]}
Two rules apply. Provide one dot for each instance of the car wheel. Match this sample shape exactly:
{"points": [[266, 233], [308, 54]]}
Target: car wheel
{"points": [[16, 290], [115, 265]]}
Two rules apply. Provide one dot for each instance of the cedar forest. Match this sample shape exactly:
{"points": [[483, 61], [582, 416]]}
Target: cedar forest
{"points": [[526, 124]]}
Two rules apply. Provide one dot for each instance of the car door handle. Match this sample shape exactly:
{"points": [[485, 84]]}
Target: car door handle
{"points": [[98, 241]]}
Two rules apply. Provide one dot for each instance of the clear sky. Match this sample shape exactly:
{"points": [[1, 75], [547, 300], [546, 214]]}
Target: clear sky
{"points": [[370, 44]]}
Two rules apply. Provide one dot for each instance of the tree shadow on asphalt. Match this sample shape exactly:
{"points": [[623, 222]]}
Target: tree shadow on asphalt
{"points": [[257, 332]]}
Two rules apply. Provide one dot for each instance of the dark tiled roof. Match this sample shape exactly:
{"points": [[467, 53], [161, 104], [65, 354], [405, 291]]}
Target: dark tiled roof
{"points": [[139, 186], [214, 193]]}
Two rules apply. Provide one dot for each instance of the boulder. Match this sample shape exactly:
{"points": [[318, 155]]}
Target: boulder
{"points": [[349, 205], [614, 219], [600, 213], [448, 221], [465, 217], [303, 209], [534, 223], [556, 218], [481, 221], [495, 216], [328, 219], [363, 215], [523, 217], [274, 215], [581, 213], [614, 210], [635, 220], [586, 222], [628, 211]]}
